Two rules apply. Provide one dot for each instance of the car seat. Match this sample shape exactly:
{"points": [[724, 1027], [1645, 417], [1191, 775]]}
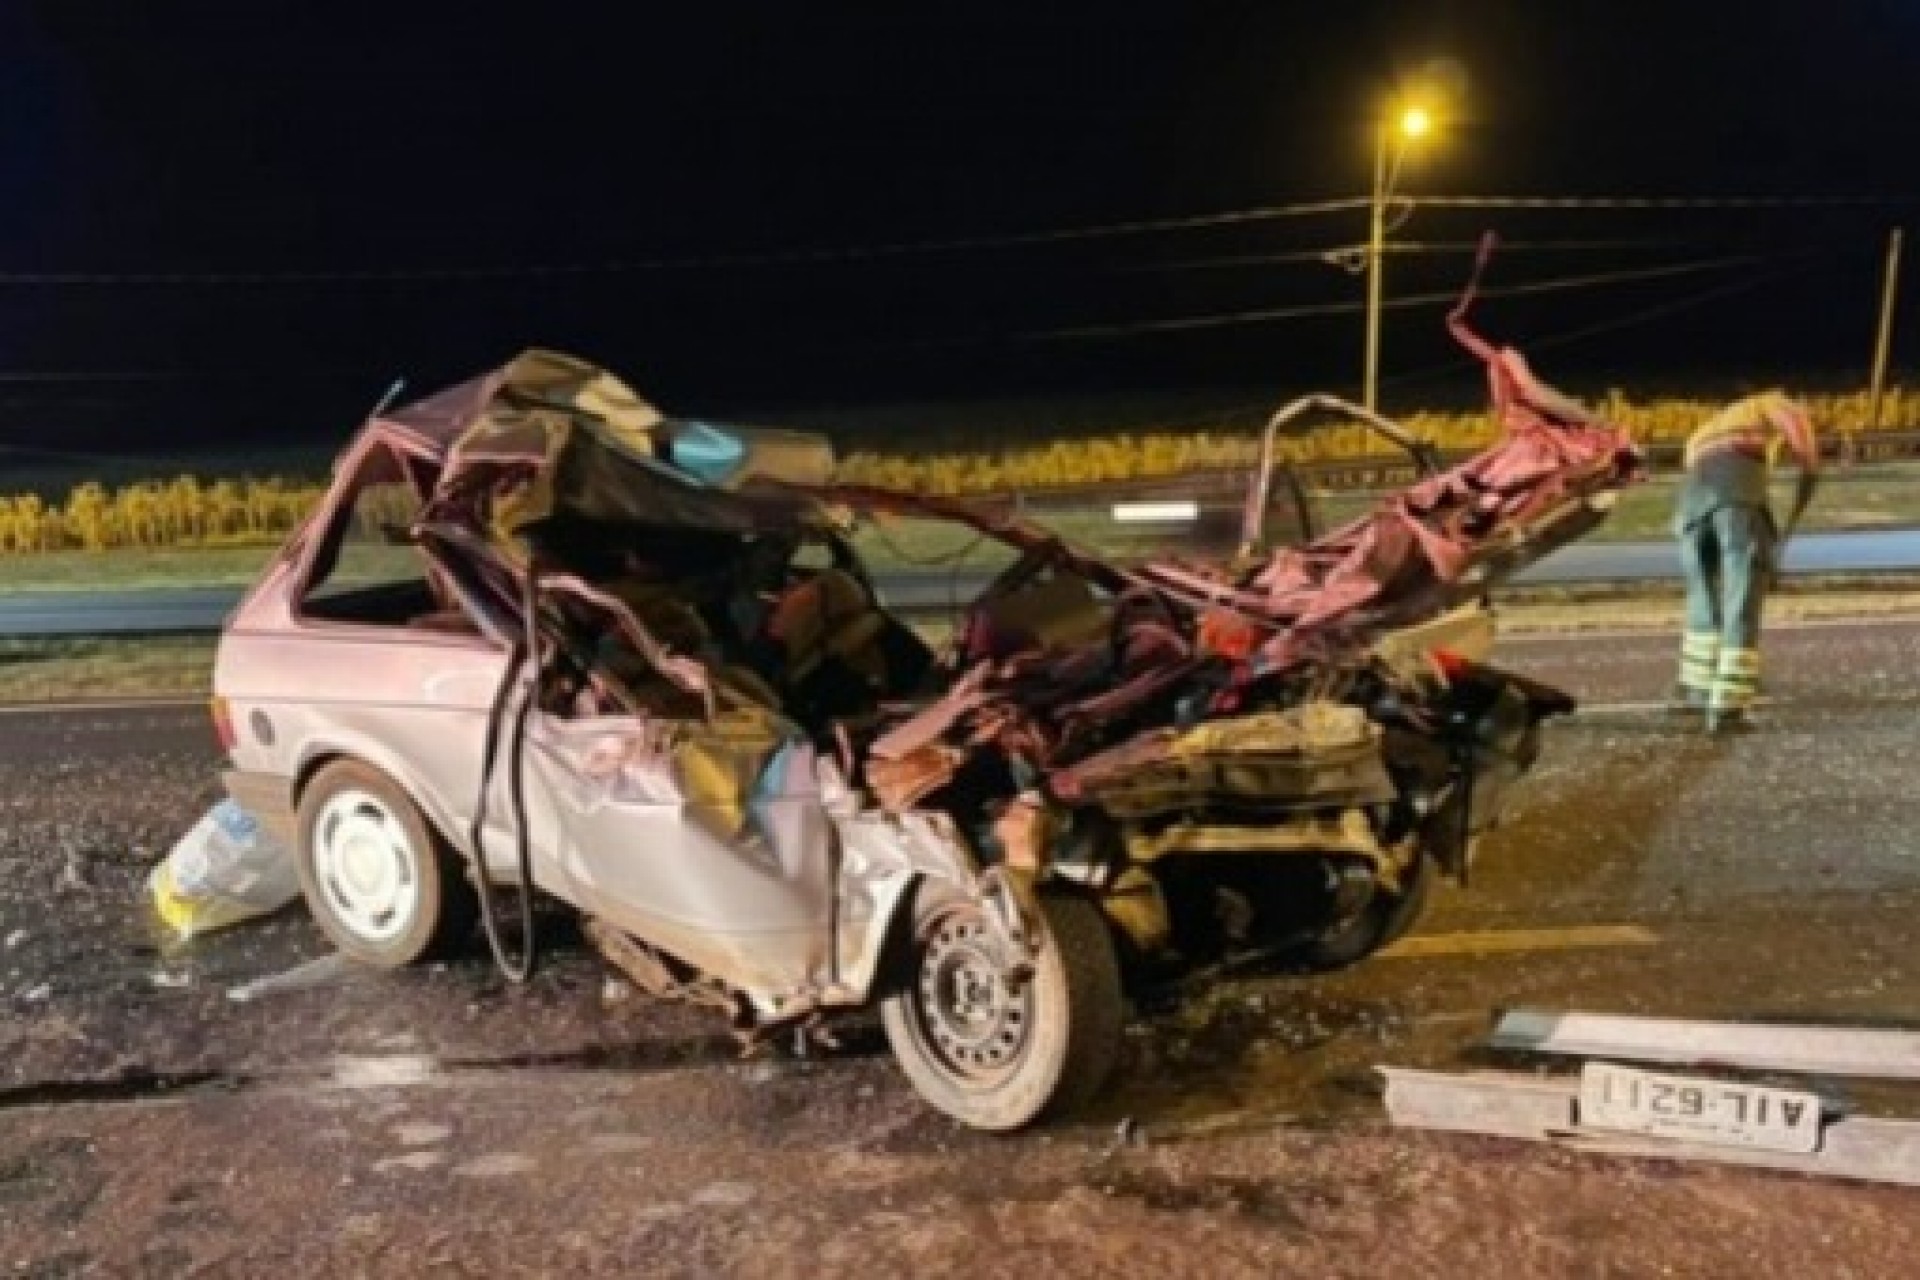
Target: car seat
{"points": [[829, 615], [678, 625]]}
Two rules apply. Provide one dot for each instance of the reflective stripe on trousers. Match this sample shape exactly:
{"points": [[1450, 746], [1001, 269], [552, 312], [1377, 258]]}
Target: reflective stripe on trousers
{"points": [[1736, 681], [1699, 660]]}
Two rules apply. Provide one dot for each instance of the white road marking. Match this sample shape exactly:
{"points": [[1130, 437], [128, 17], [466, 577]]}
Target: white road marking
{"points": [[1497, 941]]}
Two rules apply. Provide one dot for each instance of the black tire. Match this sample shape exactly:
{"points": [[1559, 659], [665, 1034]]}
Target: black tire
{"points": [[435, 905], [1383, 922], [1044, 1050]]}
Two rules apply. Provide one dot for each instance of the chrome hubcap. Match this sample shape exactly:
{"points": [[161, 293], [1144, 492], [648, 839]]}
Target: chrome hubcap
{"points": [[365, 866]]}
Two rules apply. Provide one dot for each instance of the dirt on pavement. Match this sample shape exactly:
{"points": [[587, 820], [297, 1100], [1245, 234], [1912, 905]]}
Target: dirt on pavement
{"points": [[442, 1122]]}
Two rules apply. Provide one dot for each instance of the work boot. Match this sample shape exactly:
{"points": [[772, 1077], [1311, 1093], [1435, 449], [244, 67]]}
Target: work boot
{"points": [[1725, 722]]}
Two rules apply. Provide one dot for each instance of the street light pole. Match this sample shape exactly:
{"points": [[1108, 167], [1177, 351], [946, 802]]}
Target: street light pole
{"points": [[1376, 244], [1395, 132]]}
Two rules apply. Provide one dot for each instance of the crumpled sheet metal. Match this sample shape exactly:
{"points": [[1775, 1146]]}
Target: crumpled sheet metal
{"points": [[1317, 754], [1027, 831], [1042, 710], [742, 818], [882, 854], [688, 673], [936, 719], [1066, 715], [713, 767], [1346, 832], [1415, 555], [715, 774], [901, 782], [550, 436]]}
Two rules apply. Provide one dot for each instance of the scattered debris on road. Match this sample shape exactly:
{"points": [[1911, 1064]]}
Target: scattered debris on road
{"points": [[321, 972], [223, 871], [1548, 1111], [1715, 1115], [1813, 1050]]}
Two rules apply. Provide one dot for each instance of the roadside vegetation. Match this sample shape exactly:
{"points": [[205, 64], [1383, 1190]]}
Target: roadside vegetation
{"points": [[1142, 455], [189, 513]]}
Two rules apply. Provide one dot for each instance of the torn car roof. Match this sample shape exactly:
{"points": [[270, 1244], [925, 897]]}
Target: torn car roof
{"points": [[550, 437]]}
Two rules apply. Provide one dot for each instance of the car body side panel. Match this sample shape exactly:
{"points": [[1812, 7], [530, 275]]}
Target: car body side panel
{"points": [[413, 706], [736, 850]]}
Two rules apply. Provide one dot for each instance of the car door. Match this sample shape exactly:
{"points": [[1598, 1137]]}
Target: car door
{"points": [[705, 837]]}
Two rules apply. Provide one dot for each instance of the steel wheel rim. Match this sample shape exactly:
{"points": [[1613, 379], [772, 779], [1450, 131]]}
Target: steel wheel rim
{"points": [[366, 866], [976, 1027]]}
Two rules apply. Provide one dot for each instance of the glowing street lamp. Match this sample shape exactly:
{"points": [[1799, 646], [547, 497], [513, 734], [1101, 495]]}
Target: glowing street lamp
{"points": [[1393, 135]]}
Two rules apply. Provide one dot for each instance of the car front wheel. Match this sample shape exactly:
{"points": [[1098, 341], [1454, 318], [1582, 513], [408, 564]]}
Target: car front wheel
{"points": [[382, 885], [996, 1053]]}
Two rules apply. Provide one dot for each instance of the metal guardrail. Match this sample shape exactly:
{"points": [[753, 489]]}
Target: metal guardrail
{"points": [[933, 593]]}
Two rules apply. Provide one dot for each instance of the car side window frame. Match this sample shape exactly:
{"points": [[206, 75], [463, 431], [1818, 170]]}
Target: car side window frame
{"points": [[323, 542]]}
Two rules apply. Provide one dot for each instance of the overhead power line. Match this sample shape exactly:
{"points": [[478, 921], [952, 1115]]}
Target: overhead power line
{"points": [[1217, 320], [1180, 324], [1632, 320], [1636, 319], [1666, 202], [60, 377], [774, 258], [901, 249], [1397, 248], [909, 248]]}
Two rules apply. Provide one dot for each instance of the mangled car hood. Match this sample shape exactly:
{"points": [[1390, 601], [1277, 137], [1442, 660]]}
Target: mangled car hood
{"points": [[1089, 725], [1548, 479]]}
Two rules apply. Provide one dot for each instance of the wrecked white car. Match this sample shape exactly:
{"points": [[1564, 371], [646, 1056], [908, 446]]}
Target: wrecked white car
{"points": [[633, 663]]}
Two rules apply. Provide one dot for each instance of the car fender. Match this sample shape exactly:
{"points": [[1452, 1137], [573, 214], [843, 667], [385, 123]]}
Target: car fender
{"points": [[321, 749]]}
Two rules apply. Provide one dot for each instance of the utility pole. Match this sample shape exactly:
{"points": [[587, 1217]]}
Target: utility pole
{"points": [[1883, 341], [1376, 246], [1392, 134]]}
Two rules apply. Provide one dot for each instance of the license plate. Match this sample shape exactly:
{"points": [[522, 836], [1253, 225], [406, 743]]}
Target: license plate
{"points": [[1722, 1112]]}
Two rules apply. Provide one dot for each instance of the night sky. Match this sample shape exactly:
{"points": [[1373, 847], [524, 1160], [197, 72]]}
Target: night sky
{"points": [[232, 225]]}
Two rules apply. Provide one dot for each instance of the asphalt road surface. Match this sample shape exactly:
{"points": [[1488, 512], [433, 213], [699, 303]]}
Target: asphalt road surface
{"points": [[388, 1125], [30, 613]]}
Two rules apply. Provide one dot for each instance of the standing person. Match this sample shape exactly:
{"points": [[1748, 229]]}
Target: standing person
{"points": [[1729, 546]]}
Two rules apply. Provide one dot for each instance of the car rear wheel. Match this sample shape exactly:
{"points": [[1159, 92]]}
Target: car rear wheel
{"points": [[996, 1054], [382, 885]]}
